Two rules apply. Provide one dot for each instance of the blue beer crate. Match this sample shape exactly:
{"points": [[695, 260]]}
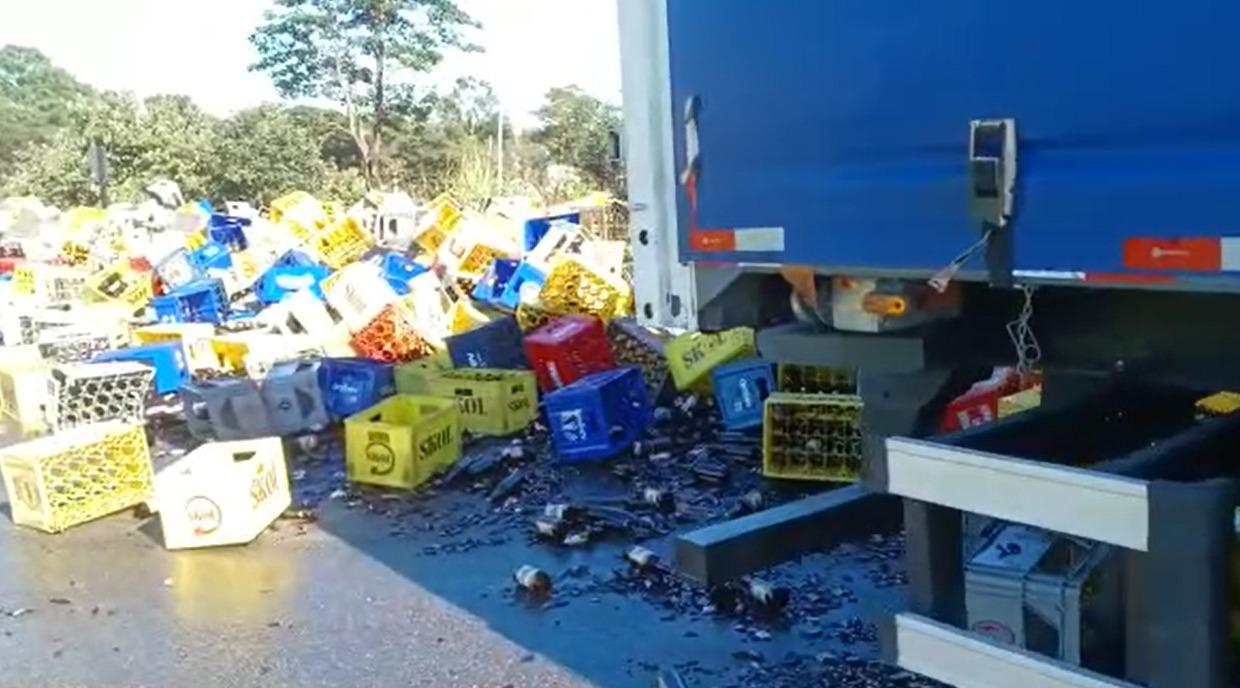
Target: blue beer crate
{"points": [[491, 286], [525, 273], [211, 256], [229, 231], [537, 228], [295, 258], [598, 416], [741, 389], [167, 358], [201, 301], [351, 385], [398, 270], [496, 344], [282, 280]]}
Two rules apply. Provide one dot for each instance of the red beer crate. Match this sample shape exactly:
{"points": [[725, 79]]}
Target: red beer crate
{"points": [[568, 349]]}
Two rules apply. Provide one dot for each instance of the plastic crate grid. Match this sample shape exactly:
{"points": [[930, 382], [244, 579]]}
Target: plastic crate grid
{"points": [[634, 345], [812, 437], [201, 301], [70, 345], [391, 338], [342, 243], [598, 416], [96, 392], [804, 379], [531, 316], [70, 478], [571, 287]]}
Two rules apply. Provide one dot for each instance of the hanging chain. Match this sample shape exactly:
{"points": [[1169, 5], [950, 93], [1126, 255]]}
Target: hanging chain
{"points": [[1020, 331]]}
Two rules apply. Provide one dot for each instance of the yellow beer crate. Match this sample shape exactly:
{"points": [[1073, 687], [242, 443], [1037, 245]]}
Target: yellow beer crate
{"points": [[412, 378], [402, 441], [442, 216], [807, 379], [120, 283], [812, 437], [1023, 400], [195, 240], [75, 253], [572, 287], [232, 348], [77, 476], [492, 402], [693, 355], [342, 243], [195, 340], [464, 316], [531, 316], [222, 493], [49, 284]]}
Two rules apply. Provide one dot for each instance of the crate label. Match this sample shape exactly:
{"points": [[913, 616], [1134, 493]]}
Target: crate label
{"points": [[518, 404], [265, 484], [204, 515], [471, 406], [473, 359], [572, 425], [26, 487], [380, 454], [433, 443]]}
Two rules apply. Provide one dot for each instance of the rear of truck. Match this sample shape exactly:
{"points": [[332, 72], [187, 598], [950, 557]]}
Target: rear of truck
{"points": [[923, 191]]}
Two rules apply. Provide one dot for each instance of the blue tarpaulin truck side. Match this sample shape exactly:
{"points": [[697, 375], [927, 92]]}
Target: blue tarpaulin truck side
{"points": [[926, 190]]}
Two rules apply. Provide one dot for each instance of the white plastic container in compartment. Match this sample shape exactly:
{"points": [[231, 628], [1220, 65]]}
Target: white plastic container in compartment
{"points": [[222, 493]]}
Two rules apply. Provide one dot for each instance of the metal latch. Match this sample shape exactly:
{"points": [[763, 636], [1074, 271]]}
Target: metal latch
{"points": [[992, 182]]}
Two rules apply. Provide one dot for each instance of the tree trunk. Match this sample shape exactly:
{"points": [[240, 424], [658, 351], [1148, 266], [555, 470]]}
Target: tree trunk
{"points": [[376, 142]]}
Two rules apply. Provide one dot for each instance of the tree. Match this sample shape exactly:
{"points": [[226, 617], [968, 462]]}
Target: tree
{"points": [[576, 129], [363, 54], [36, 101], [163, 136], [262, 153]]}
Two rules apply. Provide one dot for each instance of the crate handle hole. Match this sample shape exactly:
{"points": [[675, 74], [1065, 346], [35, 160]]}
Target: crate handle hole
{"points": [[239, 457]]}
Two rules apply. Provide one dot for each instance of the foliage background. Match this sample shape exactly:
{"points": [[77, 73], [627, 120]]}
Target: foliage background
{"points": [[438, 141]]}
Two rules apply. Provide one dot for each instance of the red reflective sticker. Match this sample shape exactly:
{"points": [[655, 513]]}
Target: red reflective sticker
{"points": [[1202, 254], [712, 240]]}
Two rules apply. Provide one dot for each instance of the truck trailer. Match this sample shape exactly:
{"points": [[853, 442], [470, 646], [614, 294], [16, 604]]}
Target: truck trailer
{"points": [[923, 192]]}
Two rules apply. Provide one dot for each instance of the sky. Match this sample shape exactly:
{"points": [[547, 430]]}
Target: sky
{"points": [[200, 47]]}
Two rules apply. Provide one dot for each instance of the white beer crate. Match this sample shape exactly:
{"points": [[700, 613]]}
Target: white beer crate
{"points": [[301, 312], [222, 493], [85, 393], [358, 293], [25, 390], [77, 476]]}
